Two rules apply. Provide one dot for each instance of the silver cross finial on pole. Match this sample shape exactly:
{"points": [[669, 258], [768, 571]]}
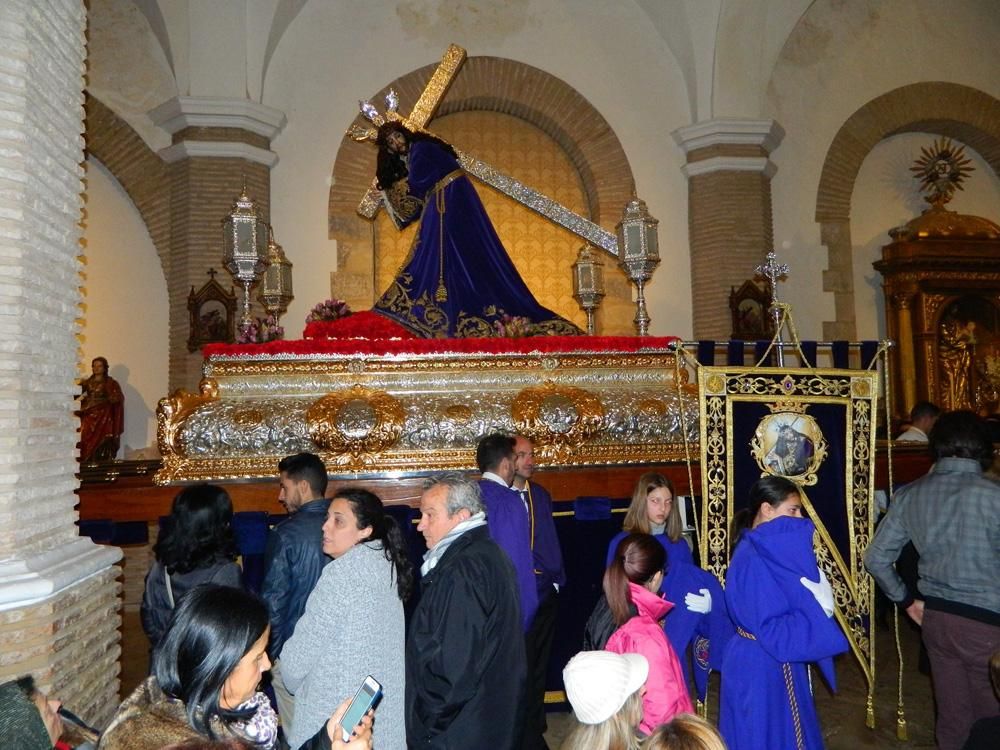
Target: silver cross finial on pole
{"points": [[773, 272]]}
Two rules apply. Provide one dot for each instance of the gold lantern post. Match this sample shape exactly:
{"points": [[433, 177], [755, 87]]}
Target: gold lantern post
{"points": [[588, 283], [245, 236], [638, 254], [276, 288]]}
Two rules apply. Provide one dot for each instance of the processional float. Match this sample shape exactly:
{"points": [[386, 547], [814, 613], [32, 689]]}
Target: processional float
{"points": [[392, 408]]}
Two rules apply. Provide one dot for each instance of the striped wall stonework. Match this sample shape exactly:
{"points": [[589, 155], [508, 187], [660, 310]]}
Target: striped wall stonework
{"points": [[58, 593]]}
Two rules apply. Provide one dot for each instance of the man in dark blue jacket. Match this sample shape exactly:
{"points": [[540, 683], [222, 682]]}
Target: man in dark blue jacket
{"points": [[294, 558]]}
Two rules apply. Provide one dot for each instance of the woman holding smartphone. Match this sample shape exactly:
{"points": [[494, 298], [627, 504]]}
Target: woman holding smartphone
{"points": [[353, 623]]}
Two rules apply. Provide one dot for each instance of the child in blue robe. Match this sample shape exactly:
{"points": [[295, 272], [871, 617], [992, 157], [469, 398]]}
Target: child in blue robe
{"points": [[782, 606]]}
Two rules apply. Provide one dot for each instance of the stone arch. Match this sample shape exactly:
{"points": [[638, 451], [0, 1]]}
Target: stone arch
{"points": [[960, 112], [141, 173], [485, 84]]}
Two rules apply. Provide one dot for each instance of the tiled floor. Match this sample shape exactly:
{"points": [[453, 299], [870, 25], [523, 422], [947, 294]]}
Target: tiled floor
{"points": [[842, 715]]}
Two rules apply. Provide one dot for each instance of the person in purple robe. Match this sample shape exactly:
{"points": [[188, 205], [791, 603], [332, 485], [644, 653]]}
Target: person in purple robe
{"points": [[782, 606], [507, 516], [458, 280]]}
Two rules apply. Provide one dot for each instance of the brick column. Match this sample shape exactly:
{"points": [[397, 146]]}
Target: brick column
{"points": [[58, 592], [729, 211], [217, 145]]}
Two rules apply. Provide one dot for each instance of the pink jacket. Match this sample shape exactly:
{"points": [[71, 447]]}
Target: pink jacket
{"points": [[666, 692]]}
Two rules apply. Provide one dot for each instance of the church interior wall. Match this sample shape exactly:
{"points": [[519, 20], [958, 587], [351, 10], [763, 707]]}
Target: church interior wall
{"points": [[127, 67], [125, 318], [626, 76], [807, 65], [886, 196], [839, 57]]}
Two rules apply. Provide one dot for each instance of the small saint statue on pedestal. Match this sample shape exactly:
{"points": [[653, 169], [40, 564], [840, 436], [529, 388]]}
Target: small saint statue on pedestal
{"points": [[102, 415]]}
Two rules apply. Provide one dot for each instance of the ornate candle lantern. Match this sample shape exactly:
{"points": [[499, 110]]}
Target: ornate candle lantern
{"points": [[638, 254], [276, 288], [244, 247], [588, 283]]}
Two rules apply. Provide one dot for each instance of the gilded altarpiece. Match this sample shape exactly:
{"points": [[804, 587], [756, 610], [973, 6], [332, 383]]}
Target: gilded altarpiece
{"points": [[941, 277], [817, 428]]}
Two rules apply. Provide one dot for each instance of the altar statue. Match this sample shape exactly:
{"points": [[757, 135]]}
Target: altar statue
{"points": [[102, 414], [458, 280], [958, 340]]}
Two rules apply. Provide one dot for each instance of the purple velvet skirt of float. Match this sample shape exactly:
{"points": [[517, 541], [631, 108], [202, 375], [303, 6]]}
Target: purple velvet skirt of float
{"points": [[458, 280]]}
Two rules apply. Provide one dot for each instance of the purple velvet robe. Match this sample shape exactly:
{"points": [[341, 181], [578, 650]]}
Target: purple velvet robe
{"points": [[480, 282], [545, 550], [766, 701], [507, 521]]}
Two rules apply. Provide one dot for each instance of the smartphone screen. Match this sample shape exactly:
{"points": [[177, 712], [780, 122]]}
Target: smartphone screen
{"points": [[367, 697]]}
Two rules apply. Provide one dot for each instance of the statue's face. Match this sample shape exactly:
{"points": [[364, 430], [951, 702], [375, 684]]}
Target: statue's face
{"points": [[396, 143], [97, 367]]}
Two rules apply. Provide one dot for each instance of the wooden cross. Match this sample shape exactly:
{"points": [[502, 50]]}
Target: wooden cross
{"points": [[211, 273], [422, 113]]}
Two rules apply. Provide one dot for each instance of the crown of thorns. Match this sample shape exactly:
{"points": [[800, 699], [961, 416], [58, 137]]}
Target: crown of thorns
{"points": [[363, 133]]}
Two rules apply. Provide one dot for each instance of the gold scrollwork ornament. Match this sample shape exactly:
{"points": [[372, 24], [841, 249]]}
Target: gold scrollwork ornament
{"points": [[557, 418], [356, 424]]}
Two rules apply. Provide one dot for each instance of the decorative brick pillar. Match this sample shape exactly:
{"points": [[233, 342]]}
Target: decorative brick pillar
{"points": [[59, 597], [218, 144], [729, 211]]}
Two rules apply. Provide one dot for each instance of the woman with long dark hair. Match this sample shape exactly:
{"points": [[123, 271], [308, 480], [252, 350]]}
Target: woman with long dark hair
{"points": [[782, 606], [458, 279], [353, 623], [205, 679], [632, 581], [196, 546]]}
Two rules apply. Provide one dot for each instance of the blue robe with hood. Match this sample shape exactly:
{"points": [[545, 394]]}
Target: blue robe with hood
{"points": [[766, 701]]}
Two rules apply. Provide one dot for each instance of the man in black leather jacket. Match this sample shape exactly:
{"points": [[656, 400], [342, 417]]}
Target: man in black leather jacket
{"points": [[294, 558]]}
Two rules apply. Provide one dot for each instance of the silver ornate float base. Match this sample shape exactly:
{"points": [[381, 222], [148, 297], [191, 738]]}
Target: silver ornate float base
{"points": [[392, 414]]}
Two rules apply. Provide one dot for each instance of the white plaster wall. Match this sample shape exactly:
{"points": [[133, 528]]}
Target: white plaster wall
{"points": [[125, 304], [333, 54], [840, 56], [127, 68], [885, 196]]}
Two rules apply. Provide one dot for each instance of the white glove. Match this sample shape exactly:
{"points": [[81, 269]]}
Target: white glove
{"points": [[822, 591], [700, 603]]}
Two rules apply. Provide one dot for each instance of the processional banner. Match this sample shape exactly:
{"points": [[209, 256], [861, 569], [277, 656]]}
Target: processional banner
{"points": [[815, 427]]}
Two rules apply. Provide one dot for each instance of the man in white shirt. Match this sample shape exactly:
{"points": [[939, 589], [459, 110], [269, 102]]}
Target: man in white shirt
{"points": [[922, 419]]}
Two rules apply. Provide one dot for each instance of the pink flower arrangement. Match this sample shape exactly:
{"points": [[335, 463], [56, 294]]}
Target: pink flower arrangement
{"points": [[331, 309], [260, 331], [513, 327]]}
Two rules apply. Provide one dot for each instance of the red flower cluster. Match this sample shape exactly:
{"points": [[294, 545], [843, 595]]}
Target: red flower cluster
{"points": [[361, 325], [370, 333]]}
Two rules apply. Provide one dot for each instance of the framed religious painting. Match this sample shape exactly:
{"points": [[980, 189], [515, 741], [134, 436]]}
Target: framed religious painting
{"points": [[212, 313], [750, 309]]}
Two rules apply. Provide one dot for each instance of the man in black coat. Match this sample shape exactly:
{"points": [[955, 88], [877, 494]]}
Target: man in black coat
{"points": [[465, 664]]}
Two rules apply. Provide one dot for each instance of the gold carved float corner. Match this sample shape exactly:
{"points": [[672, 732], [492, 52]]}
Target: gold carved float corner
{"points": [[355, 425], [559, 419], [173, 410]]}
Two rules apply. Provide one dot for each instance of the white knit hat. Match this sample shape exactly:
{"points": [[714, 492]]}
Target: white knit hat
{"points": [[599, 682]]}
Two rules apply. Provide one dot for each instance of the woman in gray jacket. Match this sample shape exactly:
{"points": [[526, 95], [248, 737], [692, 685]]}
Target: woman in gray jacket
{"points": [[353, 623]]}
